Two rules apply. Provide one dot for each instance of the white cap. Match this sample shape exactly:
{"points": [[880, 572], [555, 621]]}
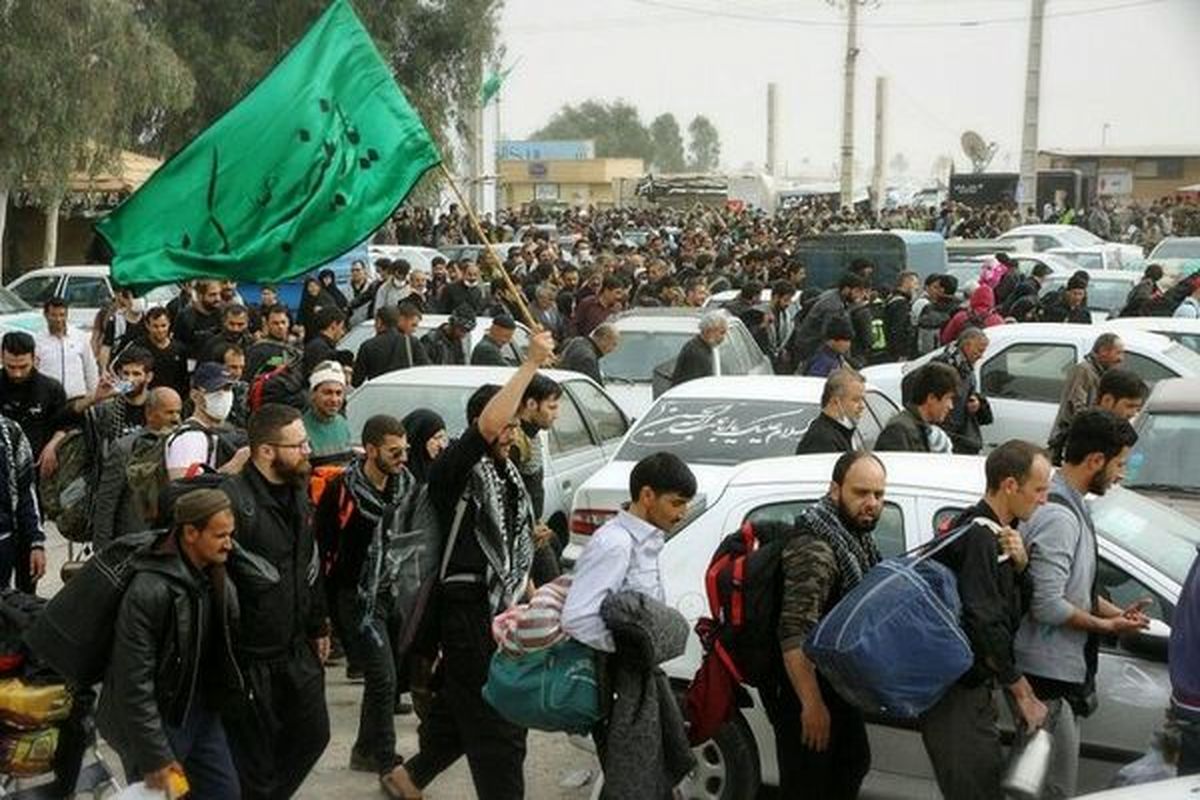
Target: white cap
{"points": [[326, 372]]}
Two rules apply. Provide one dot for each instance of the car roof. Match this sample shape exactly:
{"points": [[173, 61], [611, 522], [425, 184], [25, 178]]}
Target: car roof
{"points": [[1025, 230], [660, 312], [464, 376], [953, 473], [750, 387], [1099, 275], [1174, 395], [1058, 331], [1172, 324], [86, 270]]}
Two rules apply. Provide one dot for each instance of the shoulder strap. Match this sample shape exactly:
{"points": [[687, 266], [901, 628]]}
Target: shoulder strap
{"points": [[950, 538], [452, 539]]}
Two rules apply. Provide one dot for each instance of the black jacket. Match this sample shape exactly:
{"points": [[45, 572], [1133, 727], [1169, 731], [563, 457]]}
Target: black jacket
{"points": [[319, 348], [904, 432], [275, 522], [993, 598], [442, 350], [488, 354], [192, 328], [582, 355], [898, 327], [387, 351], [810, 332], [695, 360], [167, 655], [459, 294], [37, 404], [826, 435]]}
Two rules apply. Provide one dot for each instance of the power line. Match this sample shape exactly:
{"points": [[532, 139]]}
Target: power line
{"points": [[829, 23]]}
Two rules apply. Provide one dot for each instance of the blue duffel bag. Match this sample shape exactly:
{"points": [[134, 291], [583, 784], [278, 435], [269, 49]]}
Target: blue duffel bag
{"points": [[893, 645], [551, 689]]}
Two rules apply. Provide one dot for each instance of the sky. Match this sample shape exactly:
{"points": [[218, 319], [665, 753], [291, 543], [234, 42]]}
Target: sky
{"points": [[951, 65]]}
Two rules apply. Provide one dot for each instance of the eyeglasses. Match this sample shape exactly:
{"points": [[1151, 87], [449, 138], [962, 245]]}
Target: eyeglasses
{"points": [[302, 446]]}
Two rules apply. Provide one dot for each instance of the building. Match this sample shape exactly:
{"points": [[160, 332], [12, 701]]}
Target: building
{"points": [[596, 182], [1143, 174]]}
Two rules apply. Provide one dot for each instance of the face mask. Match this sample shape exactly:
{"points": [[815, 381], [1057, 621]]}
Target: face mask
{"points": [[471, 284], [218, 404]]}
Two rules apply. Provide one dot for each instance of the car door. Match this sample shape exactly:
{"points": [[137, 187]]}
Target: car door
{"points": [[1024, 383], [875, 416], [607, 422], [574, 454]]}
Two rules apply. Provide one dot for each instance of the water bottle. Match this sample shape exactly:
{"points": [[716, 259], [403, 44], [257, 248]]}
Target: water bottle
{"points": [[1027, 772]]}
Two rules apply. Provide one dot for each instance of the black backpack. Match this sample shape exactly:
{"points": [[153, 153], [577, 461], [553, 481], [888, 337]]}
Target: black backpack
{"points": [[744, 584]]}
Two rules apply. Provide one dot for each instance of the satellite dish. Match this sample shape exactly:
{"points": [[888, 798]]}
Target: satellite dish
{"points": [[980, 152]]}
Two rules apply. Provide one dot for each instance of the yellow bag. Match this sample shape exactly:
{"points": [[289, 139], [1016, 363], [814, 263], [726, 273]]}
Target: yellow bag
{"points": [[31, 707], [24, 754]]}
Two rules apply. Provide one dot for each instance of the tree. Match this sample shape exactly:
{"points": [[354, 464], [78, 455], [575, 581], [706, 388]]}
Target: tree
{"points": [[668, 143], [704, 145], [76, 76], [616, 128], [898, 165]]}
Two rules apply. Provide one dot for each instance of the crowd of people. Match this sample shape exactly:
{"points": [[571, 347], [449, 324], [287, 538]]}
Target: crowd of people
{"points": [[223, 425]]}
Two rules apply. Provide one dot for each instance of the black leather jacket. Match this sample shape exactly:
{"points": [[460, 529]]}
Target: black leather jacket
{"points": [[166, 656]]}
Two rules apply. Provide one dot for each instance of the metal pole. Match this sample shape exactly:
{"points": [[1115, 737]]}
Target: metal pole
{"points": [[772, 121], [1029, 127], [848, 103], [879, 178]]}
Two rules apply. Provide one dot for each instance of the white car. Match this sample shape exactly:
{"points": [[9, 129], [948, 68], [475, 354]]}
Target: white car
{"points": [[651, 338], [86, 288], [1184, 331], [417, 257], [1145, 550], [514, 351], [714, 424], [1107, 256], [1024, 369], [1175, 789], [1040, 238], [1177, 255], [1107, 290], [590, 426]]}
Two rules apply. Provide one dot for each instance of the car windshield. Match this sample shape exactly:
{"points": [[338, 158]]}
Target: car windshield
{"points": [[1189, 340], [716, 431], [1101, 295], [1188, 358], [1148, 530], [640, 352], [10, 303], [1078, 237], [1181, 248], [1167, 453], [1087, 260], [450, 402]]}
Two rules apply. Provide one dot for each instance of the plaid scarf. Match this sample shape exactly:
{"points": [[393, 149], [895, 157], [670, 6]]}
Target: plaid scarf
{"points": [[855, 552], [369, 501], [505, 539]]}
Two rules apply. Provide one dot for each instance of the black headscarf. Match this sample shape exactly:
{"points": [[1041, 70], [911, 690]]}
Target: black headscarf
{"points": [[421, 425], [331, 288]]}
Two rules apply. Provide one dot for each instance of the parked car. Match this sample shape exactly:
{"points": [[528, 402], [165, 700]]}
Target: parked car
{"points": [[472, 252], [589, 428], [1145, 550], [714, 424], [1024, 369], [514, 351], [1184, 331], [1102, 256], [17, 315], [86, 288], [1166, 460], [1106, 293], [1178, 255], [1040, 238], [417, 257], [651, 338]]}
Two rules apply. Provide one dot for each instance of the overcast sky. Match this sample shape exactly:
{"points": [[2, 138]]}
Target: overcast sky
{"points": [[1135, 66]]}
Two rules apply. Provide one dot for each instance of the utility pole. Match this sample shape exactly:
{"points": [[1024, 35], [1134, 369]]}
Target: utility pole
{"points": [[1033, 86], [879, 175], [772, 137], [848, 102]]}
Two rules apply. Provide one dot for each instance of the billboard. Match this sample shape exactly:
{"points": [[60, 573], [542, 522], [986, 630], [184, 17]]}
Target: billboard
{"points": [[555, 150]]}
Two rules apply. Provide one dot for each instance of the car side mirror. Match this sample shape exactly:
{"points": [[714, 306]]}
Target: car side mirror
{"points": [[1151, 643]]}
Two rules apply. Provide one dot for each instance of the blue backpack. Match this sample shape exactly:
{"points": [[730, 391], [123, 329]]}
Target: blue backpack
{"points": [[893, 645]]}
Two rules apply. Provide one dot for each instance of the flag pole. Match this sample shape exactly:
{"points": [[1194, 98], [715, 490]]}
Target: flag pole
{"points": [[487, 249]]}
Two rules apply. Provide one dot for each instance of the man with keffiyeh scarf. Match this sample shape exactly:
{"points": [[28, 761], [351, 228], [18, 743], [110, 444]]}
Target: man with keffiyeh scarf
{"points": [[821, 739], [345, 520], [484, 509], [20, 522]]}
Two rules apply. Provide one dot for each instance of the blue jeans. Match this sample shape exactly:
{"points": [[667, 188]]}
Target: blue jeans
{"points": [[199, 745]]}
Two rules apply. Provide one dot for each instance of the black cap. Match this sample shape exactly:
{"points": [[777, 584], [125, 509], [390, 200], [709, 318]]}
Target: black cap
{"points": [[838, 328], [1077, 282], [463, 317], [504, 321]]}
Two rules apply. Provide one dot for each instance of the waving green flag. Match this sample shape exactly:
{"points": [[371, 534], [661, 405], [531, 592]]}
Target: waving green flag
{"points": [[306, 166]]}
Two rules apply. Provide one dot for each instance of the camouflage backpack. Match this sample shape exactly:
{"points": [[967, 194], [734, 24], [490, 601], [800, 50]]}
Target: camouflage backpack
{"points": [[65, 495]]}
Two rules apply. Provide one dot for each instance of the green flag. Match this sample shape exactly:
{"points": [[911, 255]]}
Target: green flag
{"points": [[306, 166], [491, 85]]}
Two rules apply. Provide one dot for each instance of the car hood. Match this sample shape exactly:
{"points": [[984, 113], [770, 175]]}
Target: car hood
{"points": [[1185, 503], [608, 489]]}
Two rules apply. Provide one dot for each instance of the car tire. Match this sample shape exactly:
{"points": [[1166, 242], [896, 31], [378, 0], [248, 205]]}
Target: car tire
{"points": [[726, 765]]}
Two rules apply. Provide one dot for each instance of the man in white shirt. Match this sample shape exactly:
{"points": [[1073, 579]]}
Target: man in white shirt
{"points": [[204, 438], [623, 554], [65, 355]]}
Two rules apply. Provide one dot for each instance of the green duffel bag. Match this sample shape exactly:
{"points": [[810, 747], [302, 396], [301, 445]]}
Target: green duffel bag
{"points": [[553, 689]]}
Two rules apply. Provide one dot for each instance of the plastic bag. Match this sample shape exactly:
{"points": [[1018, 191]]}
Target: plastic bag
{"points": [[24, 754], [29, 707], [138, 791], [1153, 766]]}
